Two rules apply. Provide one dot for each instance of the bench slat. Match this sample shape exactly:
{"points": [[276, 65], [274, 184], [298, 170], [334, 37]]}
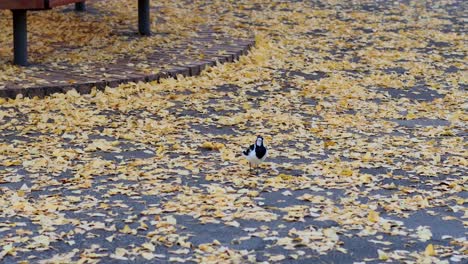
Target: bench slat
{"points": [[34, 4], [22, 4]]}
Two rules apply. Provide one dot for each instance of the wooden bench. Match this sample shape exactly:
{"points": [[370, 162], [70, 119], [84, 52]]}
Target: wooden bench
{"points": [[19, 9]]}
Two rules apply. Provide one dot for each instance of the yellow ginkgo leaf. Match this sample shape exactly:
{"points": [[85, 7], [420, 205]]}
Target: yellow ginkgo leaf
{"points": [[126, 230], [382, 255], [430, 251], [373, 216]]}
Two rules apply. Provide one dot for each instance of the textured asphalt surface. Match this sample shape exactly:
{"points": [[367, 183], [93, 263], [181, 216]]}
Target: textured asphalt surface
{"points": [[126, 208], [359, 248]]}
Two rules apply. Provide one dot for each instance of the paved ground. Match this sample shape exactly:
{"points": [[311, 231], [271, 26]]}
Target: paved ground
{"points": [[361, 104]]}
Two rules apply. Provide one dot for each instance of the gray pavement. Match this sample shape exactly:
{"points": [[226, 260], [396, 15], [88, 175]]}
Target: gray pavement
{"points": [[367, 160]]}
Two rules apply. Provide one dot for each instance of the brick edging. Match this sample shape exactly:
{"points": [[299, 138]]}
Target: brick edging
{"points": [[189, 68]]}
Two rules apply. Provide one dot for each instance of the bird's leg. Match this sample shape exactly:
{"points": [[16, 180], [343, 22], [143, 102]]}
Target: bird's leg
{"points": [[257, 168], [250, 167]]}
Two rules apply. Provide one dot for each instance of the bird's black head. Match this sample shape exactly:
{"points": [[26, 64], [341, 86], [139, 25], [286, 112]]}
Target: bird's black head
{"points": [[259, 141]]}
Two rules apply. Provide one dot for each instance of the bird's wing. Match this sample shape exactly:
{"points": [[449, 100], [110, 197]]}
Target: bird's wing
{"points": [[247, 151]]}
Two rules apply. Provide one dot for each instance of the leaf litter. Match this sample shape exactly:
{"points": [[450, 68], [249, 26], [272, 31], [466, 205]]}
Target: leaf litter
{"points": [[152, 171]]}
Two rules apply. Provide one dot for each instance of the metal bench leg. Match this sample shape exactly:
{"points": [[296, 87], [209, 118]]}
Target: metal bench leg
{"points": [[20, 37], [80, 6], [144, 17]]}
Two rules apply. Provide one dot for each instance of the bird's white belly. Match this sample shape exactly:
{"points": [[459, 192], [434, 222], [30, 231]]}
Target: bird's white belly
{"points": [[252, 158]]}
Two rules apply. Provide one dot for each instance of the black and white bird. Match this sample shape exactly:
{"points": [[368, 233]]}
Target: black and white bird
{"points": [[256, 153]]}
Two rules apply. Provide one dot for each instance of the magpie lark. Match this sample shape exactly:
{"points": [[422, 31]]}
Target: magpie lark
{"points": [[256, 153]]}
